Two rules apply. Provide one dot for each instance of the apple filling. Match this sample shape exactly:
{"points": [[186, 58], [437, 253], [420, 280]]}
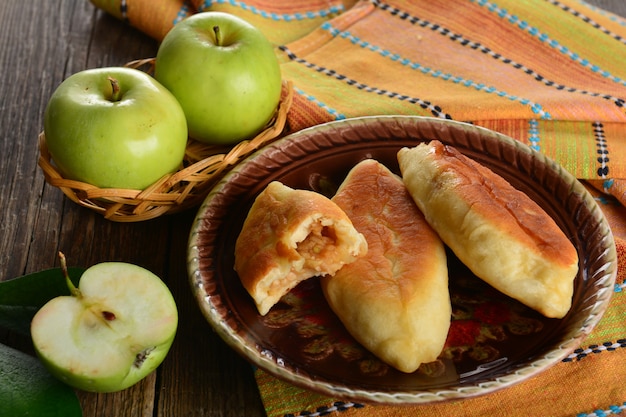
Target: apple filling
{"points": [[290, 236], [318, 255], [319, 244]]}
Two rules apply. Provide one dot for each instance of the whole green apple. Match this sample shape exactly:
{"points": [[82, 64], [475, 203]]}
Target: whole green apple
{"points": [[115, 128], [114, 329], [224, 73]]}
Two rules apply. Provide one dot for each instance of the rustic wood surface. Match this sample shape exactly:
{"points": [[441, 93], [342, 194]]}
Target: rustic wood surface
{"points": [[43, 42]]}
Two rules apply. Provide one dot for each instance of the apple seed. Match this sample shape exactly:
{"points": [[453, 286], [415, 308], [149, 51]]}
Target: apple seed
{"points": [[108, 316]]}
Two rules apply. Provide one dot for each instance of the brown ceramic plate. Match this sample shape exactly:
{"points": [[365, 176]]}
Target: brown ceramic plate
{"points": [[494, 341]]}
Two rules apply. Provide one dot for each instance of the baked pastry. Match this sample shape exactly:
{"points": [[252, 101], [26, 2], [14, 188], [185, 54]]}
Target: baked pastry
{"points": [[291, 235], [395, 300], [498, 232]]}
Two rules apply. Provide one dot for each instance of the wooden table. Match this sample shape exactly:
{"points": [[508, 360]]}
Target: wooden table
{"points": [[43, 42]]}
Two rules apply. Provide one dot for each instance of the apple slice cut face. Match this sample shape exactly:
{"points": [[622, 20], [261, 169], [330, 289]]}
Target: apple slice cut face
{"points": [[117, 331]]}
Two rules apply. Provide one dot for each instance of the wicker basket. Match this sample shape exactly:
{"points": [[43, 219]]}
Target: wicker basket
{"points": [[202, 167]]}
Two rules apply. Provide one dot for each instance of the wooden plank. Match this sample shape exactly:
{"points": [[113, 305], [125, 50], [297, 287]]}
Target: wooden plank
{"points": [[27, 68], [207, 377]]}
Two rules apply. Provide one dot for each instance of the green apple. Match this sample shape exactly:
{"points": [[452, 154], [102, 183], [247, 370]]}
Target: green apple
{"points": [[115, 128], [224, 73], [114, 329]]}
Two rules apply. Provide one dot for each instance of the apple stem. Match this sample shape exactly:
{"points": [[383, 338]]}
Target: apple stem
{"points": [[115, 89], [73, 290], [218, 35]]}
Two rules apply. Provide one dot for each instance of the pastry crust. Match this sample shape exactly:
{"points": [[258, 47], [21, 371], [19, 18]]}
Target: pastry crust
{"points": [[289, 236], [501, 234], [395, 300]]}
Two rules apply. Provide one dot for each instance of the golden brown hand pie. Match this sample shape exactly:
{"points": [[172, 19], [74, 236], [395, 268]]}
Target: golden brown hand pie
{"points": [[289, 236], [498, 232], [395, 300]]}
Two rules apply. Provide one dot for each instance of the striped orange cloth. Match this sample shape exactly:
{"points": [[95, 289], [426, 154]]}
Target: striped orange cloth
{"points": [[549, 73]]}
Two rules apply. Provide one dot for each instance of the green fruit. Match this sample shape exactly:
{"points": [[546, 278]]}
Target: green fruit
{"points": [[224, 73], [114, 329], [115, 128]]}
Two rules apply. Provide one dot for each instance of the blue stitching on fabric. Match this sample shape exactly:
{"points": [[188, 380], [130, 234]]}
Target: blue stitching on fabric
{"points": [[456, 37], [544, 37], [335, 113], [613, 409], [434, 109], [607, 200], [533, 134], [535, 107], [612, 17], [182, 13], [275, 16], [603, 200], [477, 46]]}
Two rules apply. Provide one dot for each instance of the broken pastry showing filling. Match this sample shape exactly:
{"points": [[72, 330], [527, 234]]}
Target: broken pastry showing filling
{"points": [[289, 236]]}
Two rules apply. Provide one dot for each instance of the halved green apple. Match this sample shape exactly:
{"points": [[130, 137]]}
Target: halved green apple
{"points": [[114, 329]]}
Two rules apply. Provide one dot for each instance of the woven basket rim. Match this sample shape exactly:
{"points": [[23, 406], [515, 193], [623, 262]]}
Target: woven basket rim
{"points": [[202, 167]]}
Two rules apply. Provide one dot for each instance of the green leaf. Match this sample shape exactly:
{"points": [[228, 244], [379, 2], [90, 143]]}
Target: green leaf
{"points": [[27, 389], [21, 298]]}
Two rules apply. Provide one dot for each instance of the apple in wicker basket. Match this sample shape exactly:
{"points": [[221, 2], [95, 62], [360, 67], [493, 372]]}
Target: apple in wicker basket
{"points": [[224, 73], [115, 128], [111, 332]]}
